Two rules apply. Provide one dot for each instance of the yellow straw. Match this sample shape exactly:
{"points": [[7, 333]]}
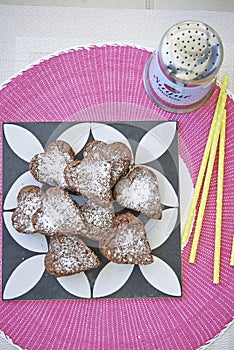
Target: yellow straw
{"points": [[202, 170], [232, 253], [207, 180], [219, 202]]}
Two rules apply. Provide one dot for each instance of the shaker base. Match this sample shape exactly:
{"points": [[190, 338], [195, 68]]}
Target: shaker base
{"points": [[171, 107]]}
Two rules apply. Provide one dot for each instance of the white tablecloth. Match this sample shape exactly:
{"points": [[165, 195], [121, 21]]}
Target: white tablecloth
{"points": [[30, 33]]}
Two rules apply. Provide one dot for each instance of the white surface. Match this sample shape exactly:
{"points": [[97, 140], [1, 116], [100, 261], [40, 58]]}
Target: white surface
{"points": [[6, 343], [30, 33], [116, 4], [209, 5], [25, 277], [161, 276]]}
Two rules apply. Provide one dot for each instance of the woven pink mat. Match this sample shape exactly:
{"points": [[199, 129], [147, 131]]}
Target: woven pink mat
{"points": [[64, 86]]}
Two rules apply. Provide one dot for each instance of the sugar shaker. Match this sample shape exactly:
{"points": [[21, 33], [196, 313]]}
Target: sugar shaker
{"points": [[180, 75]]}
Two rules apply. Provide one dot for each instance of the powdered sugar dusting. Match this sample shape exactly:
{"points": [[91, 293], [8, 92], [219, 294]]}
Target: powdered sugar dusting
{"points": [[97, 217], [117, 153], [91, 177], [51, 170], [69, 255], [140, 192], [49, 167], [59, 214], [29, 200], [127, 242], [139, 195]]}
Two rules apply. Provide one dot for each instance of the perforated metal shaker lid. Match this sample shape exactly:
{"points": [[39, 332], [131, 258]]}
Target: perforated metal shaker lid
{"points": [[191, 52]]}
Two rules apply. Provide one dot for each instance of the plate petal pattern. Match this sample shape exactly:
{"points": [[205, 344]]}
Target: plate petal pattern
{"points": [[77, 285], [111, 278], [34, 242], [158, 231], [161, 276], [32, 270], [186, 192], [11, 197], [155, 142], [19, 139], [167, 192], [76, 136], [108, 134]]}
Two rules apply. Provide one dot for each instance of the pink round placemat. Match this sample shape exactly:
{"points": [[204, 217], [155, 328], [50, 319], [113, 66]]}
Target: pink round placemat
{"points": [[59, 88]]}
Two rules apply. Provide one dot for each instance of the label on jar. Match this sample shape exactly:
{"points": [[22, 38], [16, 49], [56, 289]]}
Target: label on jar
{"points": [[172, 92]]}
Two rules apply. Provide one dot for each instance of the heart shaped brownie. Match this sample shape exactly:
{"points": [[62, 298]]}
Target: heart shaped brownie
{"points": [[69, 255], [126, 242], [117, 152], [139, 191], [29, 200], [90, 177], [98, 218], [49, 167], [58, 215]]}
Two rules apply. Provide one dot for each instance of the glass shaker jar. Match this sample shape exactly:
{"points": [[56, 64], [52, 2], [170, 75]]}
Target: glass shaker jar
{"points": [[180, 76]]}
